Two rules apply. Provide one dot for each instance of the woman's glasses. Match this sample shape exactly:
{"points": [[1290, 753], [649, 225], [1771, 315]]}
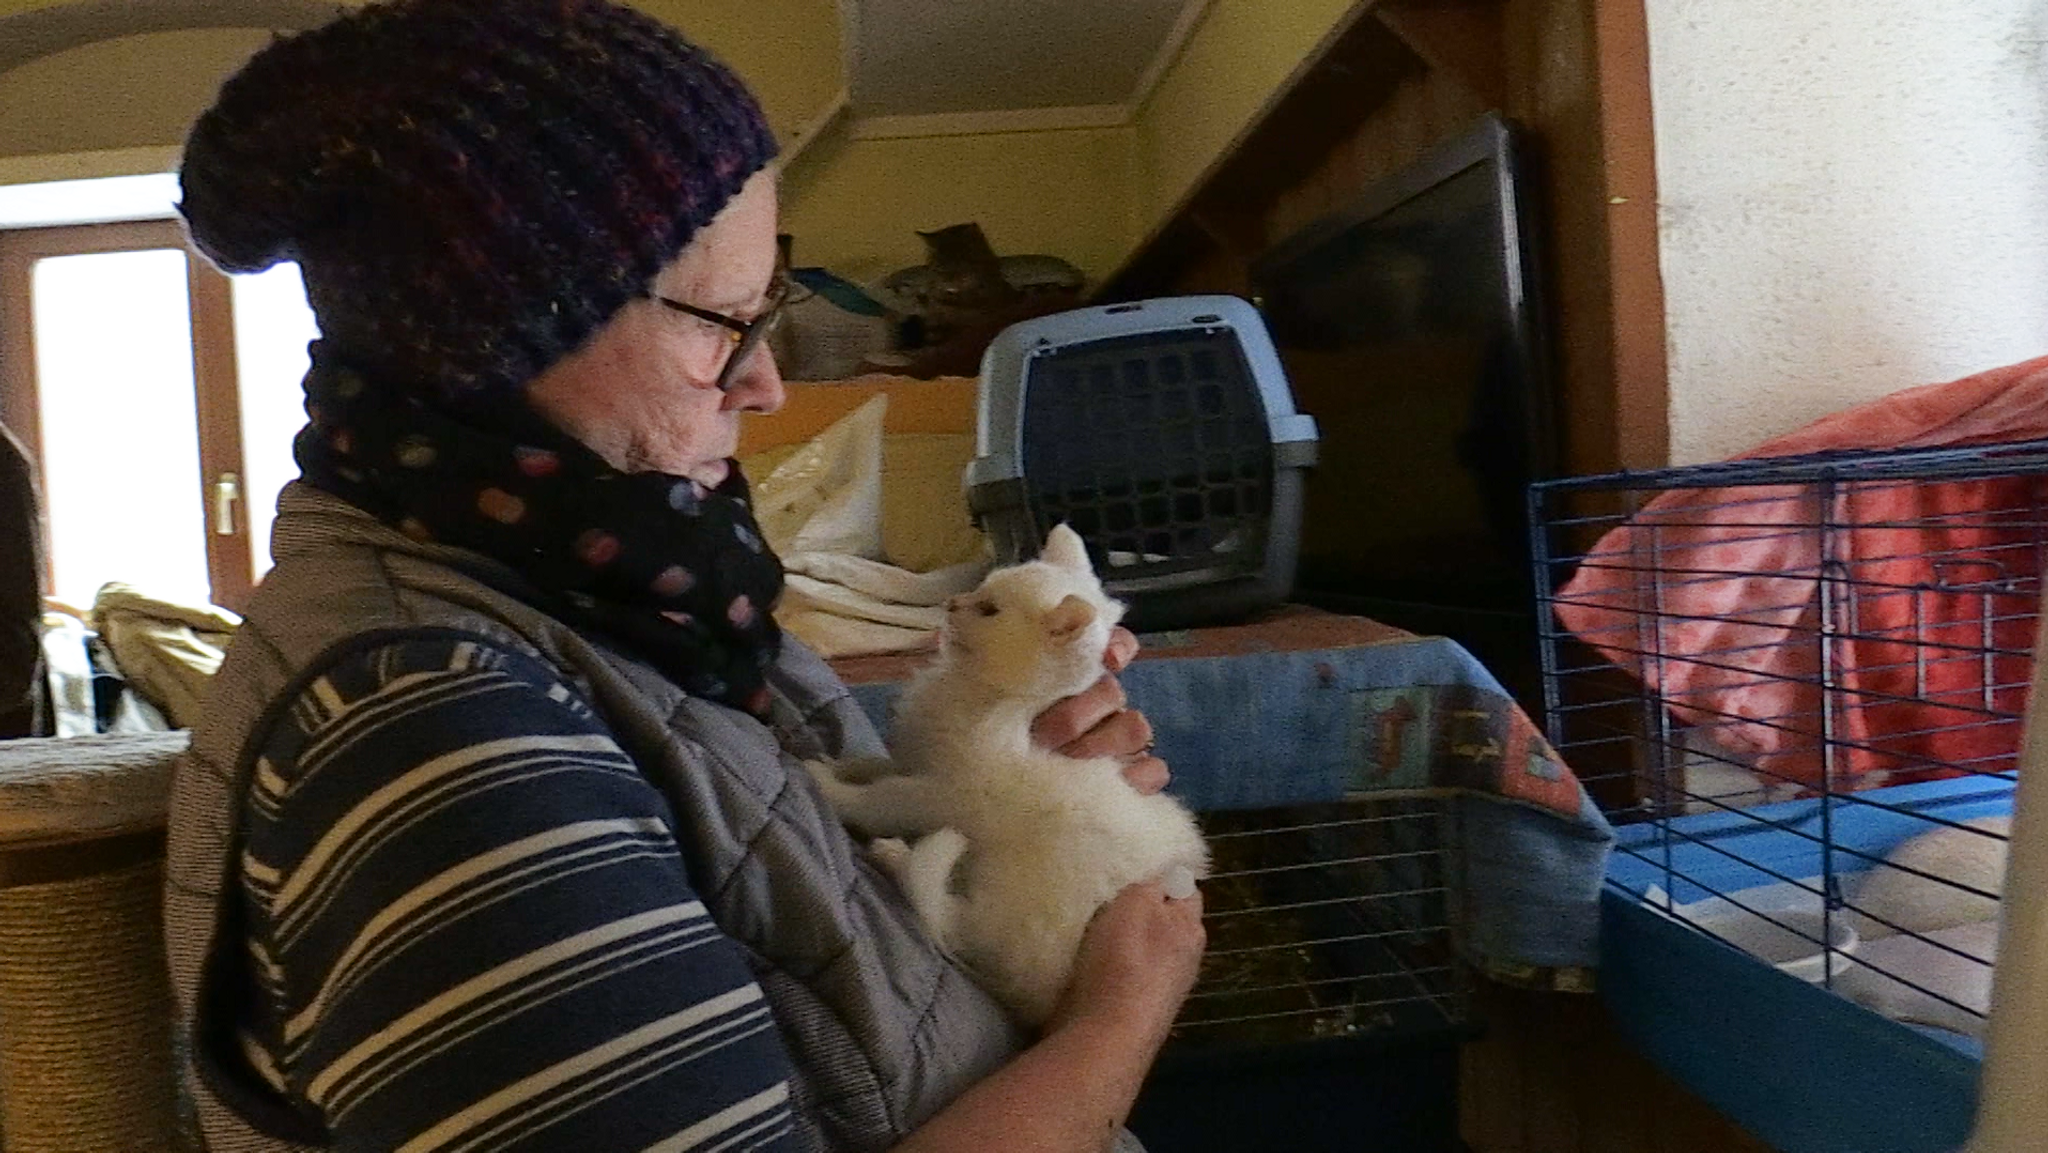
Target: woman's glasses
{"points": [[744, 337]]}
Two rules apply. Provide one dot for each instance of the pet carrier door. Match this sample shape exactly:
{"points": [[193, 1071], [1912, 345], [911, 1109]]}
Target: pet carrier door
{"points": [[1164, 433]]}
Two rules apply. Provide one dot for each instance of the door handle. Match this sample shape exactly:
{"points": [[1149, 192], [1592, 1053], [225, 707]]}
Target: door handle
{"points": [[226, 491]]}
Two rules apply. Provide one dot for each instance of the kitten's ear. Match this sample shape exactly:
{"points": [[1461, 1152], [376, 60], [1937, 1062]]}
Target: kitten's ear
{"points": [[1068, 618], [1063, 547]]}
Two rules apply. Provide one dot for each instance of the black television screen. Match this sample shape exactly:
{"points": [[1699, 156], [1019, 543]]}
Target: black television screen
{"points": [[1409, 327]]}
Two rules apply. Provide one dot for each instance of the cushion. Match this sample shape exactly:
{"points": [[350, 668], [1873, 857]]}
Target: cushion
{"points": [[827, 495], [856, 491], [925, 525]]}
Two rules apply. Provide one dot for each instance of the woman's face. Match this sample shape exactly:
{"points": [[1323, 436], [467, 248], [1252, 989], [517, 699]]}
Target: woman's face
{"points": [[643, 393]]}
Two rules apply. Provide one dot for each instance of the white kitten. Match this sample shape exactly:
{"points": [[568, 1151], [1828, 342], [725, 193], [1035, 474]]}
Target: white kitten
{"points": [[1920, 905], [1021, 846]]}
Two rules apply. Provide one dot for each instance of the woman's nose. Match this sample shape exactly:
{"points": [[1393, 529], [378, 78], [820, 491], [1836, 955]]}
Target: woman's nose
{"points": [[758, 386]]}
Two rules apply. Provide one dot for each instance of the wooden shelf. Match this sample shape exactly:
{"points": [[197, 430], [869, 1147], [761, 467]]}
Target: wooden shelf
{"points": [[1394, 44], [1226, 214], [1408, 74], [1460, 40]]}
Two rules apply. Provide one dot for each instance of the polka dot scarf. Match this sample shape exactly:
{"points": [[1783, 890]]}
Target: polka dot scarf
{"points": [[677, 573]]}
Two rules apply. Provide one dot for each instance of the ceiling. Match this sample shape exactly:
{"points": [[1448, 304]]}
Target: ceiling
{"points": [[911, 67], [40, 32], [1090, 60]]}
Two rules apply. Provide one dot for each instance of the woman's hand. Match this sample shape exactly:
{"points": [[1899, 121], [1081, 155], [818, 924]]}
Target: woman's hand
{"points": [[1136, 963], [1096, 723], [1070, 1091]]}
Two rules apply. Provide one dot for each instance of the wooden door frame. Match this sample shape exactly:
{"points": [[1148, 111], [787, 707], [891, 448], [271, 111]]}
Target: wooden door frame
{"points": [[217, 377], [214, 376]]}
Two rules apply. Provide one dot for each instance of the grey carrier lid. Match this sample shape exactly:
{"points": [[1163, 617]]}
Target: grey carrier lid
{"points": [[999, 431], [1164, 432]]}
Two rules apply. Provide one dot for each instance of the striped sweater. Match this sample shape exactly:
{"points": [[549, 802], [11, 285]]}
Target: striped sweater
{"points": [[472, 929]]}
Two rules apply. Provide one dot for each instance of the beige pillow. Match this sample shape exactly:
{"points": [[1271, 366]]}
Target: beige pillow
{"points": [[759, 465], [925, 525], [827, 495], [923, 510]]}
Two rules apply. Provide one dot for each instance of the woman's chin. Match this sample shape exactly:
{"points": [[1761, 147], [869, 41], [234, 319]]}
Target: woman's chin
{"points": [[710, 474]]}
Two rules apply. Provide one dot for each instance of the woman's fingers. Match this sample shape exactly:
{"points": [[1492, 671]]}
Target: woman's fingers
{"points": [[1123, 733], [1096, 723], [1074, 717], [1147, 773], [1123, 648]]}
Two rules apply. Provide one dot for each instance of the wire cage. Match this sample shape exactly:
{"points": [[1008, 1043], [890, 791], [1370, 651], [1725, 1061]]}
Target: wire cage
{"points": [[1325, 921], [1797, 687], [1330, 1000], [1333, 997]]}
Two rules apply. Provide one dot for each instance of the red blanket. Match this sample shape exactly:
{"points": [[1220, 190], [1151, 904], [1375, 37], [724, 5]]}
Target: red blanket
{"points": [[1714, 598]]}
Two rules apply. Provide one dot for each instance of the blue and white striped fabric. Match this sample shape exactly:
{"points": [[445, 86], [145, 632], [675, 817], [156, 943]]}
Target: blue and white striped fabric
{"points": [[473, 929]]}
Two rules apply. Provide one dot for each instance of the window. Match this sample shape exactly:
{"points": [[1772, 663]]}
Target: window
{"points": [[273, 326], [159, 402]]}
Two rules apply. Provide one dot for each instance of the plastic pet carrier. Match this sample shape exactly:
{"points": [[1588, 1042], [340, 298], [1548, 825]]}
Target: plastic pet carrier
{"points": [[1164, 433]]}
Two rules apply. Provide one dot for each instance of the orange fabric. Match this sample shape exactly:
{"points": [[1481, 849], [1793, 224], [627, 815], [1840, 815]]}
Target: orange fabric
{"points": [[945, 404], [1714, 597]]}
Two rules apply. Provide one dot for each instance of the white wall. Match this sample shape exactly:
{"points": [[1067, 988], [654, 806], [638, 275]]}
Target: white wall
{"points": [[1853, 199]]}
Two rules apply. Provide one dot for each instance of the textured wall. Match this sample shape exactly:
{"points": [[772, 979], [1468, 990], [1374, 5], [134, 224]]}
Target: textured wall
{"points": [[1854, 199], [145, 90], [1226, 73], [854, 205], [788, 50], [132, 92]]}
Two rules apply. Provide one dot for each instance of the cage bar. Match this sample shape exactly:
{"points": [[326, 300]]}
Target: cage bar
{"points": [[1774, 675]]}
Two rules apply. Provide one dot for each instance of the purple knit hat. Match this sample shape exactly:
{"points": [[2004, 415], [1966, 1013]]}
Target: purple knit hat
{"points": [[471, 187]]}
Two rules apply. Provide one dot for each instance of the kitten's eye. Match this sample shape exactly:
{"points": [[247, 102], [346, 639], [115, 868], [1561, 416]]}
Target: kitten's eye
{"points": [[987, 609]]}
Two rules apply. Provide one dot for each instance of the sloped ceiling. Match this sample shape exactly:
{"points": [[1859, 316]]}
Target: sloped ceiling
{"points": [[913, 64], [52, 28], [893, 92], [916, 58]]}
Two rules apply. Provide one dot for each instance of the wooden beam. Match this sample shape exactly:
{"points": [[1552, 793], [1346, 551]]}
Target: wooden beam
{"points": [[1142, 265], [1355, 73], [1238, 236], [1642, 372], [216, 379], [1461, 40]]}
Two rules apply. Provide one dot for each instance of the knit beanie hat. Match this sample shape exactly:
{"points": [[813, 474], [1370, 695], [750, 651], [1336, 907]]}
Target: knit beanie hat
{"points": [[471, 187]]}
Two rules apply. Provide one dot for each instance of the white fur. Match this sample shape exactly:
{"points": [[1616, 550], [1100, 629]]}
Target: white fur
{"points": [[1918, 904], [1020, 846]]}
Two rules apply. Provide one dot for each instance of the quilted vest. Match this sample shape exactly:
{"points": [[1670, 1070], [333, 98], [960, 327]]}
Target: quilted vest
{"points": [[884, 1031]]}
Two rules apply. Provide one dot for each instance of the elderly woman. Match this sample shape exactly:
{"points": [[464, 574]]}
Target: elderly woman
{"points": [[494, 836]]}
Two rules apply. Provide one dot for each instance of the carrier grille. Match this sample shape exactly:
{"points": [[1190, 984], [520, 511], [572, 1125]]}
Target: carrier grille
{"points": [[1156, 449]]}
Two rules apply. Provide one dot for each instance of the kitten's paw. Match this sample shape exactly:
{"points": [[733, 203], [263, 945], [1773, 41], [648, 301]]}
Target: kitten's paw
{"points": [[890, 852], [948, 844], [829, 782]]}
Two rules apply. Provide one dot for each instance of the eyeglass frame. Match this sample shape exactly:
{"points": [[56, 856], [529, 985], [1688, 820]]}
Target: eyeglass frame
{"points": [[746, 336]]}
